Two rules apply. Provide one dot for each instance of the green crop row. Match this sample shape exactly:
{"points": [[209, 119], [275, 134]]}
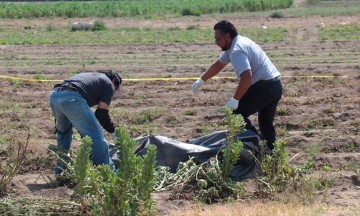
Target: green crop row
{"points": [[128, 35], [150, 8], [346, 32]]}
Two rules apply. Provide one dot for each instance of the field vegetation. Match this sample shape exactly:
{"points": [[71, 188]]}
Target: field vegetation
{"points": [[77, 61], [126, 36], [321, 8], [152, 8], [340, 33]]}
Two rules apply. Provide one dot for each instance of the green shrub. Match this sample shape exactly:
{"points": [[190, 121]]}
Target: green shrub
{"points": [[124, 191], [39, 76], [11, 162], [50, 27], [190, 112], [82, 165], [145, 116], [99, 25], [277, 14], [190, 12], [276, 172], [235, 124], [307, 190]]}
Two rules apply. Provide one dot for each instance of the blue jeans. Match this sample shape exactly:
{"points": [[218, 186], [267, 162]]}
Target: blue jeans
{"points": [[70, 109], [262, 98]]}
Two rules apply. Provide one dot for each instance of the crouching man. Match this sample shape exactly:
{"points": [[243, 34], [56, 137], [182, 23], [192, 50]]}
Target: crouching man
{"points": [[71, 103], [259, 89]]}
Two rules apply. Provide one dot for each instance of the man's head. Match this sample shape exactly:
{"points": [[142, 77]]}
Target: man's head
{"points": [[114, 77], [224, 33]]}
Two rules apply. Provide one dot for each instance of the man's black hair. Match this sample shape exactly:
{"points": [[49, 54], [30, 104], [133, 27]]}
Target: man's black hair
{"points": [[111, 75], [226, 26]]}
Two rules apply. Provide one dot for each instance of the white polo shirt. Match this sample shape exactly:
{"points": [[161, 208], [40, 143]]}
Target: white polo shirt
{"points": [[245, 54]]}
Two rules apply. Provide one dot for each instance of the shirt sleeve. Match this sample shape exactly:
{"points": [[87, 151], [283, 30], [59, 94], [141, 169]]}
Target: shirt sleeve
{"points": [[224, 58], [107, 94], [240, 62]]}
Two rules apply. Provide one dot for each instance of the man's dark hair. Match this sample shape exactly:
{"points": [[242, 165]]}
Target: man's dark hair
{"points": [[226, 27], [111, 75]]}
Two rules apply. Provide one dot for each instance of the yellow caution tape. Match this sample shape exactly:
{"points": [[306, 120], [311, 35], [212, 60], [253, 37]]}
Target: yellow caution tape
{"points": [[28, 79], [167, 78]]}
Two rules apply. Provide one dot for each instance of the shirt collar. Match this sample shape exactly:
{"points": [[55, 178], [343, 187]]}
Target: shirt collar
{"points": [[233, 43]]}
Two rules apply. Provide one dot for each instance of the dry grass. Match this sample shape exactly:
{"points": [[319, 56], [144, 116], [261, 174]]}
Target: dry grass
{"points": [[267, 209]]}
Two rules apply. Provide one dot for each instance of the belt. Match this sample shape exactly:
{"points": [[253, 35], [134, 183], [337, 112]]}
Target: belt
{"points": [[273, 79], [267, 81], [65, 88]]}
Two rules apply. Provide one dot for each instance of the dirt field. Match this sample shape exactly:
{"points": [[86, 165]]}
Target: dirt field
{"points": [[316, 112]]}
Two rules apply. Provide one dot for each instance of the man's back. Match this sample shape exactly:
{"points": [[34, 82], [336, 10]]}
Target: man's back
{"points": [[93, 87]]}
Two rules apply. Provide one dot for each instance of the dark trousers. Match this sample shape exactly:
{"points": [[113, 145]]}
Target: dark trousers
{"points": [[262, 98]]}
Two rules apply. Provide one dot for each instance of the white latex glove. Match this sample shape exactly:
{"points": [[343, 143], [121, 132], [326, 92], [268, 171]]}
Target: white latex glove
{"points": [[232, 103], [196, 85], [113, 136]]}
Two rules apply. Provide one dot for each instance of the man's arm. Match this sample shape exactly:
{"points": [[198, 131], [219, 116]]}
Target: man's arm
{"points": [[214, 69], [103, 105], [244, 84], [102, 114]]}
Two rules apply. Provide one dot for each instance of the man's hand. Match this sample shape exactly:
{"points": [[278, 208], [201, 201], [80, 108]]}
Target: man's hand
{"points": [[196, 85], [232, 103]]}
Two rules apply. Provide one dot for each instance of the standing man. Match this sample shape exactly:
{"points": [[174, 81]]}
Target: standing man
{"points": [[259, 89], [71, 103]]}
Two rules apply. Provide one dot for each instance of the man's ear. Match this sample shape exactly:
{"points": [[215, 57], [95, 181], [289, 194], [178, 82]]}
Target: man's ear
{"points": [[227, 36]]}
